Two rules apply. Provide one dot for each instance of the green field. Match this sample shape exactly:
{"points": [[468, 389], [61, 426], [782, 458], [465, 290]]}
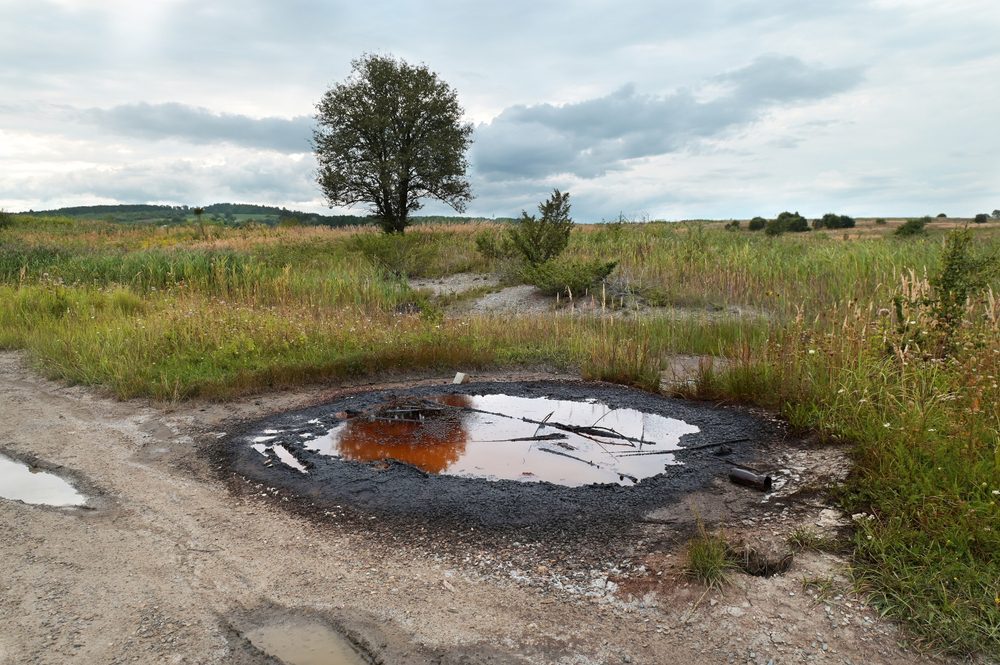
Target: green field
{"points": [[859, 334]]}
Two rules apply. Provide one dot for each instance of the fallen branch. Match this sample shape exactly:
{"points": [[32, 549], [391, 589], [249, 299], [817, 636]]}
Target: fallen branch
{"points": [[688, 449], [582, 430], [578, 459]]}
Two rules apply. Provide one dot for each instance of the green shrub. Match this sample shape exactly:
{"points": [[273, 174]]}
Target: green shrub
{"points": [[540, 239], [880, 221], [963, 274], [941, 215], [734, 225], [6, 219], [912, 227], [493, 245], [757, 223], [786, 221], [793, 221], [981, 218], [833, 221], [571, 278]]}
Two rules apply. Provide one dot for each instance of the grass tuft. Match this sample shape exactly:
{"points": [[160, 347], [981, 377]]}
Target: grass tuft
{"points": [[708, 559]]}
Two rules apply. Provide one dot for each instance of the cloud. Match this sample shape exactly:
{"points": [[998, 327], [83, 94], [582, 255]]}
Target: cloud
{"points": [[202, 126], [282, 180], [592, 137], [781, 78]]}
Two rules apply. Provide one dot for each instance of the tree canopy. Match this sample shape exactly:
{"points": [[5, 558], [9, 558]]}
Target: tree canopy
{"points": [[391, 135]]}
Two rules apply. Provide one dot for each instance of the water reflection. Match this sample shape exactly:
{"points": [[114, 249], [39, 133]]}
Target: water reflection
{"points": [[428, 438], [506, 437], [20, 482]]}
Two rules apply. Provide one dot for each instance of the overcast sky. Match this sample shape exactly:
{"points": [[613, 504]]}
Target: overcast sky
{"points": [[659, 109]]}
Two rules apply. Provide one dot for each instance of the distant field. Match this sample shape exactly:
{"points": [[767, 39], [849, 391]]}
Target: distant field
{"points": [[850, 343]]}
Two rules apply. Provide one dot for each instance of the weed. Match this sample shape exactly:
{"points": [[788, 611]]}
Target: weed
{"points": [[569, 278], [823, 589], [708, 559], [807, 539]]}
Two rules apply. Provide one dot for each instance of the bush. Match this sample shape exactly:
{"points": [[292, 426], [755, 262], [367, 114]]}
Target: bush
{"points": [[880, 221], [981, 218], [774, 228], [996, 214], [494, 245], [733, 225], [832, 221], [786, 221], [540, 239], [963, 273], [570, 278], [941, 215], [912, 227], [6, 219], [793, 221], [757, 223]]}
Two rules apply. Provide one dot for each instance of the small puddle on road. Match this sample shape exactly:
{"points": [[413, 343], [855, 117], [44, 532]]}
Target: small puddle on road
{"points": [[297, 642], [498, 436], [20, 482]]}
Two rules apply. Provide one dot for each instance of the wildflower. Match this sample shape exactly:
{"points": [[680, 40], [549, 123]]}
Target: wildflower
{"points": [[996, 492]]}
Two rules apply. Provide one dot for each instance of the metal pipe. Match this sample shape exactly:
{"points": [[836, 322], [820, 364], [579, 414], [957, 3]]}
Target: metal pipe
{"points": [[750, 479]]}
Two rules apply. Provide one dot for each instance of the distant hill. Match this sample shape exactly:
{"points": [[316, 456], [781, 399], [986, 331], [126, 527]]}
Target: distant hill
{"points": [[235, 214]]}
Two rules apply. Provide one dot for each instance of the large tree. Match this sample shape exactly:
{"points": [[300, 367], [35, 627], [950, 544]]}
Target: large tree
{"points": [[391, 135]]}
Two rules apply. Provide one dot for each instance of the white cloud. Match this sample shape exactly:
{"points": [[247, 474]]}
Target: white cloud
{"points": [[733, 108]]}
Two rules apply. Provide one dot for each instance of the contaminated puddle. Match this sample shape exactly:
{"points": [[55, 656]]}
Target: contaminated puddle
{"points": [[20, 482], [301, 642], [497, 436]]}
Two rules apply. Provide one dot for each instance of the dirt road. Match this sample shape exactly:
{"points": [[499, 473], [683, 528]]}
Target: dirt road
{"points": [[172, 566]]}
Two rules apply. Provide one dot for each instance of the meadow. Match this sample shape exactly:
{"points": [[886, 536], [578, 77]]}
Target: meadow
{"points": [[889, 344]]}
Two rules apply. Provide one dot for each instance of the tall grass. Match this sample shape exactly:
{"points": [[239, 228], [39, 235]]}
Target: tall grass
{"points": [[842, 349], [926, 441]]}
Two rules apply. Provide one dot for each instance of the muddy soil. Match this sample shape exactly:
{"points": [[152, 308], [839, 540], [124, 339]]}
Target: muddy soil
{"points": [[179, 560]]}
